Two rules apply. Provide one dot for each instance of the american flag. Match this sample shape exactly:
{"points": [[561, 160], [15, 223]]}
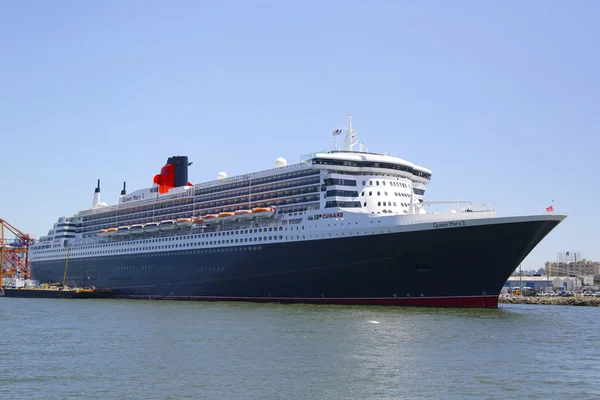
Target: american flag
{"points": [[337, 132]]}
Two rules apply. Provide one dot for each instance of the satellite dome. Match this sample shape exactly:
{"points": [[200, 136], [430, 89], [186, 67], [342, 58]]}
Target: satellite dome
{"points": [[221, 175], [280, 162]]}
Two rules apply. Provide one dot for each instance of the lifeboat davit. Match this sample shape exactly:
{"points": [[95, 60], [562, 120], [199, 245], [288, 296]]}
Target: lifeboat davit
{"points": [[210, 218], [184, 222], [243, 214], [151, 227], [263, 212], [123, 230], [137, 228], [111, 231], [226, 216], [167, 224], [103, 232]]}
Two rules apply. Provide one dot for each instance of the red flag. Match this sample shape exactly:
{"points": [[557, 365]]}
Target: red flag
{"points": [[550, 209]]}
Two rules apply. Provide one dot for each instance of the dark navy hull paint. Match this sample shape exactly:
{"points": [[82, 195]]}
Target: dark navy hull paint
{"points": [[432, 267]]}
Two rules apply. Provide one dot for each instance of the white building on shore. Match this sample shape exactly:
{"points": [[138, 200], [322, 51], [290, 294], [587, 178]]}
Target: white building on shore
{"points": [[544, 282]]}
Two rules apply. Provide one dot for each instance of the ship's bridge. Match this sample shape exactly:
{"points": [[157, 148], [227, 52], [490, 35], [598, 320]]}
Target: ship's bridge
{"points": [[370, 163]]}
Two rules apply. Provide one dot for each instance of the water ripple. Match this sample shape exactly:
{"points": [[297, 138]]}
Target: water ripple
{"points": [[113, 349]]}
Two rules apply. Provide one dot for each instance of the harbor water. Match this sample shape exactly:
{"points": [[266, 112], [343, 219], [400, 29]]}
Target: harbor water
{"points": [[128, 349]]}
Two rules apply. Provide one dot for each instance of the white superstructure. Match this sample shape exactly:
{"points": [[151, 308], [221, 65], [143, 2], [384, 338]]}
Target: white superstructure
{"points": [[340, 192]]}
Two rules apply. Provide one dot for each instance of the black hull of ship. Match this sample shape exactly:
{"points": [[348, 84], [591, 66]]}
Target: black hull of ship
{"points": [[451, 267]]}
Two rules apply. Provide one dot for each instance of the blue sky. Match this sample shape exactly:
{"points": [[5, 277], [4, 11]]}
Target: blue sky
{"points": [[499, 99]]}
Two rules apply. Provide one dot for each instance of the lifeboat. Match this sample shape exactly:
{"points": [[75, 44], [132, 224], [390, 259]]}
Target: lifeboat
{"points": [[263, 212], [167, 224], [226, 216], [111, 231], [151, 227], [197, 222], [243, 214], [137, 228], [184, 222], [210, 218], [103, 232], [123, 230]]}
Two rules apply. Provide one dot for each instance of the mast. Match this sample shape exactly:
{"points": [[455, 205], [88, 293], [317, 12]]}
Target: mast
{"points": [[350, 140]]}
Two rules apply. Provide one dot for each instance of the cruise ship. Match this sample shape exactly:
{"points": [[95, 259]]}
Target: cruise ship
{"points": [[344, 226]]}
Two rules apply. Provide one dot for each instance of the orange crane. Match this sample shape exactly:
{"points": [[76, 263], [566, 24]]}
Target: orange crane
{"points": [[14, 256]]}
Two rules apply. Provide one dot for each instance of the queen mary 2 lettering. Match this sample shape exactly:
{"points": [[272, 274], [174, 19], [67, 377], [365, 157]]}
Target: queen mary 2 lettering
{"points": [[341, 227]]}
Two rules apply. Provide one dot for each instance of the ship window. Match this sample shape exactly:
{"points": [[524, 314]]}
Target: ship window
{"points": [[365, 204], [379, 203], [394, 204], [370, 193], [378, 193], [383, 183], [370, 182]]}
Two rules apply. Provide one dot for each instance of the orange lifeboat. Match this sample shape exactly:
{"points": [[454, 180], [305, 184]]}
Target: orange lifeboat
{"points": [[243, 214], [197, 223], [184, 222], [103, 232], [111, 231], [210, 218], [263, 212], [226, 216]]}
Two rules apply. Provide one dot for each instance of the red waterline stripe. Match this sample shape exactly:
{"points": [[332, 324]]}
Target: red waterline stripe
{"points": [[454, 301]]}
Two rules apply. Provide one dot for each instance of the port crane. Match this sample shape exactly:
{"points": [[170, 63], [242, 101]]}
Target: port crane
{"points": [[14, 252]]}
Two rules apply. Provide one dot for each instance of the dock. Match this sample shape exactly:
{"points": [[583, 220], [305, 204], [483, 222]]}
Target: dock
{"points": [[576, 300]]}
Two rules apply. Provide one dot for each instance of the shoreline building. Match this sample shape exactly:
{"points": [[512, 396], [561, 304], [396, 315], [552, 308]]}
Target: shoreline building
{"points": [[581, 267], [544, 282]]}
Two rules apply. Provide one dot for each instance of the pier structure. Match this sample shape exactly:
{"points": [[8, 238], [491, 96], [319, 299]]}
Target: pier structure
{"points": [[14, 252]]}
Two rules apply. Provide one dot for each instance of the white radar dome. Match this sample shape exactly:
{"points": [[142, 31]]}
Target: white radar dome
{"points": [[221, 175], [280, 162]]}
